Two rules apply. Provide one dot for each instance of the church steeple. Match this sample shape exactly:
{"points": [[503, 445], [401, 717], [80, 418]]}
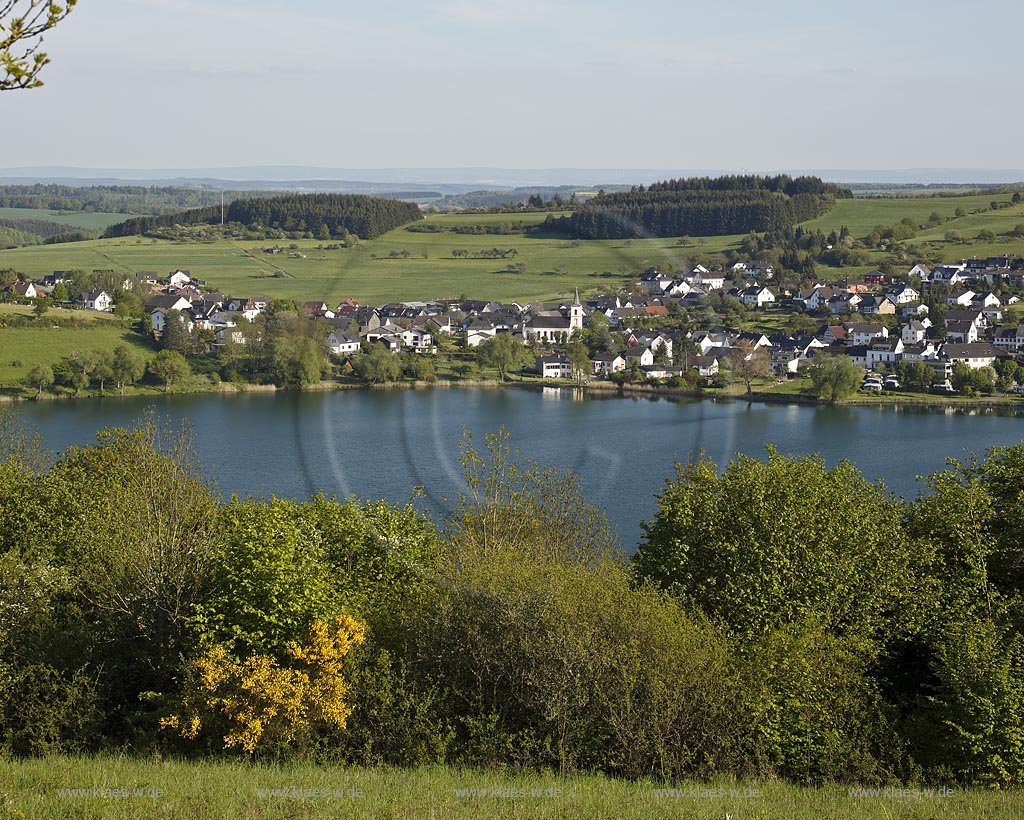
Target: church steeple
{"points": [[576, 312]]}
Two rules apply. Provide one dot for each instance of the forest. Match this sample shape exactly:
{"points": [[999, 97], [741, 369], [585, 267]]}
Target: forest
{"points": [[780, 619], [701, 206], [125, 199], [324, 215]]}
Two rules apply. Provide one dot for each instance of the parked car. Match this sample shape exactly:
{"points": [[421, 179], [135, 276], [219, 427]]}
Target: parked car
{"points": [[892, 383]]}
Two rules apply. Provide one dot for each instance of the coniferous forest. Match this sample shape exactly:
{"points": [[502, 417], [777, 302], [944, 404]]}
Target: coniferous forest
{"points": [[701, 206], [780, 619], [364, 216]]}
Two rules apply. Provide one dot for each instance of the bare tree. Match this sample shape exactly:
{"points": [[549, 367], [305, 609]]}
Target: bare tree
{"points": [[22, 24], [750, 361]]}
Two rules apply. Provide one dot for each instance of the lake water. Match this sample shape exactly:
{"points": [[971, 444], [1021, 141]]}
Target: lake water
{"points": [[381, 444]]}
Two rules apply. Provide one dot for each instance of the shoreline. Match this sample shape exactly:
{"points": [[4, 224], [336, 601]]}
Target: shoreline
{"points": [[601, 389]]}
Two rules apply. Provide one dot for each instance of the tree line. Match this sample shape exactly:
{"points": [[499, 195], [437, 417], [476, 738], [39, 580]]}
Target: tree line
{"points": [[324, 215], [702, 206], [780, 619], [118, 199]]}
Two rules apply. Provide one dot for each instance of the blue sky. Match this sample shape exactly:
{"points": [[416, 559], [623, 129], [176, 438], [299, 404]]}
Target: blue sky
{"points": [[526, 84]]}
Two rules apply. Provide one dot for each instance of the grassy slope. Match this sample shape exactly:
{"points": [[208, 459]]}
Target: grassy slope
{"points": [[228, 791], [22, 348], [553, 266], [80, 219]]}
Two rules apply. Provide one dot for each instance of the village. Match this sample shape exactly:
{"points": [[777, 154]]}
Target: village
{"points": [[668, 325]]}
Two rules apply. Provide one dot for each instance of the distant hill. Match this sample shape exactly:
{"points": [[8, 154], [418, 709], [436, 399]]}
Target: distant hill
{"points": [[463, 180]]}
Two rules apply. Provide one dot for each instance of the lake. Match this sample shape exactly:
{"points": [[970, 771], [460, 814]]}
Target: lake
{"points": [[383, 443]]}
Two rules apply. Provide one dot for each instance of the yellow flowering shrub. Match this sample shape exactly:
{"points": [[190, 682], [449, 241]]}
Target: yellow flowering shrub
{"points": [[260, 704]]}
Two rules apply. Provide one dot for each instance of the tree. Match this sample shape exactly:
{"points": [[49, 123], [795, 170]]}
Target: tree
{"points": [[75, 371], [22, 25], [579, 359], [424, 367], [503, 352], [41, 308], [176, 335], [739, 545], [127, 367], [750, 361], [40, 377], [834, 378], [378, 365], [168, 367], [102, 367]]}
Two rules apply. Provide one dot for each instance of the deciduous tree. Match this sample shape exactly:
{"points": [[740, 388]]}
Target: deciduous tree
{"points": [[22, 25]]}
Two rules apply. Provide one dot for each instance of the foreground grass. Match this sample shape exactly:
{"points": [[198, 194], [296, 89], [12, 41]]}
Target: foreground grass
{"points": [[127, 788]]}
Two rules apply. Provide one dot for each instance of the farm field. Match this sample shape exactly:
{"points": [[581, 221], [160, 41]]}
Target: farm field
{"points": [[414, 265], [89, 221], [554, 266], [861, 215], [116, 788]]}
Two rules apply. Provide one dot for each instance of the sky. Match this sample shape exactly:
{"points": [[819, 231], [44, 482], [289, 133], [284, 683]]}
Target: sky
{"points": [[733, 84]]}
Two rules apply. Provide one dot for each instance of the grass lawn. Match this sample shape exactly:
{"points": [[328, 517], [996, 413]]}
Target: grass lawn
{"points": [[115, 788]]}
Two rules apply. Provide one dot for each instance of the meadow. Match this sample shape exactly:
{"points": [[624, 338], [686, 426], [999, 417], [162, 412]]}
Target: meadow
{"points": [[413, 265], [86, 220], [22, 348], [116, 788]]}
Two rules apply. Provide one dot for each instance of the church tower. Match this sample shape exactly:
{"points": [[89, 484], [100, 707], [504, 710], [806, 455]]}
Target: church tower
{"points": [[576, 313]]}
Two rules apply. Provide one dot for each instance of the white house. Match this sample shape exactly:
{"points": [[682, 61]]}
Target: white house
{"points": [[605, 364], [960, 297], [756, 296], [913, 332], [640, 354], [961, 331], [903, 294], [178, 278], [555, 366], [95, 300], [975, 355], [480, 332], [343, 343], [1009, 338], [23, 290], [417, 339], [862, 333], [707, 366], [884, 352]]}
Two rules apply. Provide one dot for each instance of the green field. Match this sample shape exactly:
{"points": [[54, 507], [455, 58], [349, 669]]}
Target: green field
{"points": [[80, 219], [122, 788], [554, 266], [378, 271], [22, 348]]}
